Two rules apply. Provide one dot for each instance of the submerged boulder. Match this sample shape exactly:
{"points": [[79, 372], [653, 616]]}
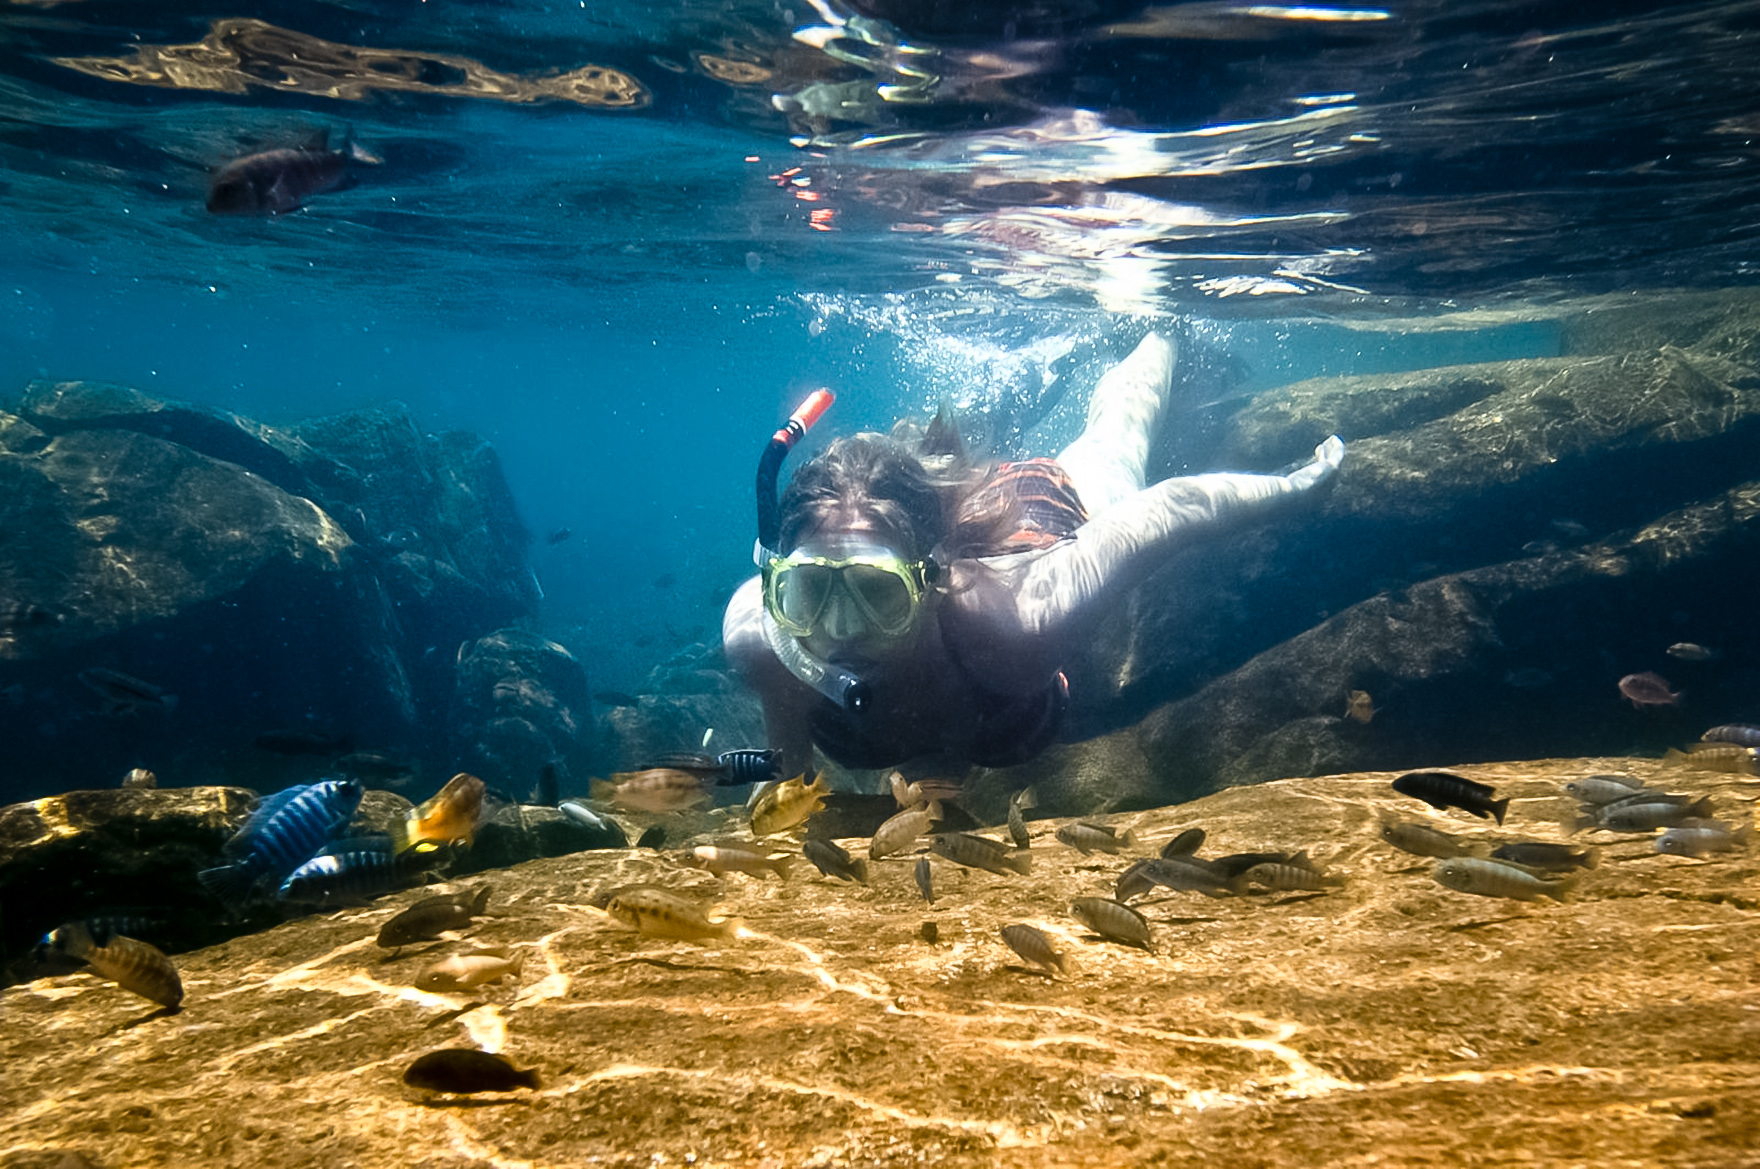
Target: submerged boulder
{"points": [[271, 585]]}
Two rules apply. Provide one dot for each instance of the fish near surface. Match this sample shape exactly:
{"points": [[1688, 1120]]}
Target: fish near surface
{"points": [[1034, 945], [449, 817], [1488, 878], [133, 965], [469, 971], [789, 804], [430, 917], [658, 789], [1444, 789], [658, 913], [465, 1070], [274, 182], [1114, 921], [281, 834]]}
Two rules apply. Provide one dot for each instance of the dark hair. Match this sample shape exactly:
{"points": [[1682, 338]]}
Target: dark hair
{"points": [[910, 486]]}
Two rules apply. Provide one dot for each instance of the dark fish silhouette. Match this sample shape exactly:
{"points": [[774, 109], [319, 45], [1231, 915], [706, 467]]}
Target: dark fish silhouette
{"points": [[465, 1070], [428, 918], [124, 694], [1444, 789], [274, 182], [558, 536]]}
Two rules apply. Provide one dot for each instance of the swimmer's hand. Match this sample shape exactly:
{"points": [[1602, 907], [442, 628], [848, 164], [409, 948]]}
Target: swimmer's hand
{"points": [[1327, 456]]}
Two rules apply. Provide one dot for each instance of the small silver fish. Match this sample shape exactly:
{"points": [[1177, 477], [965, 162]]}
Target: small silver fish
{"points": [[1488, 878], [729, 857], [1604, 789], [1701, 837], [1687, 651], [1034, 945], [1114, 921]]}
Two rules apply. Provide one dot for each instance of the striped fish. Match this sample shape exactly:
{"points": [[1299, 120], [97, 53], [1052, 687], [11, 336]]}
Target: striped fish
{"points": [[282, 834], [351, 871]]}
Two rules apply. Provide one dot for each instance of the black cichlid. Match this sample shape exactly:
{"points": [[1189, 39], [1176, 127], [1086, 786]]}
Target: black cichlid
{"points": [[274, 182], [1444, 789]]}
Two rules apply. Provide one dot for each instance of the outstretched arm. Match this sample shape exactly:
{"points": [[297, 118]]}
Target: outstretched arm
{"points": [[786, 700], [1056, 589]]}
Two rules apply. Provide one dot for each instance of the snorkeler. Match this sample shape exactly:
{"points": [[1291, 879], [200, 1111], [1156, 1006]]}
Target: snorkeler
{"points": [[912, 606]]}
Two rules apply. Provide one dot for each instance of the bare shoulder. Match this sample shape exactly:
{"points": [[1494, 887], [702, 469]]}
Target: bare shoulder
{"points": [[742, 626]]}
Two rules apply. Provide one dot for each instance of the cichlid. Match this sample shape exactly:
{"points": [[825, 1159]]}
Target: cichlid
{"points": [[980, 852], [450, 817], [1114, 921], [925, 879], [131, 964], [1444, 789], [1133, 882], [658, 913], [1604, 789], [1648, 689], [1488, 878], [1700, 837], [469, 971], [1018, 804], [1034, 945], [1423, 840], [906, 795], [1729, 758], [124, 694], [1088, 838], [349, 871], [658, 789], [1543, 855], [1645, 814], [580, 814], [282, 833], [789, 804], [1741, 734], [1285, 878], [428, 918], [900, 832], [731, 857], [275, 182], [833, 860], [1186, 873], [1185, 844], [465, 1070]]}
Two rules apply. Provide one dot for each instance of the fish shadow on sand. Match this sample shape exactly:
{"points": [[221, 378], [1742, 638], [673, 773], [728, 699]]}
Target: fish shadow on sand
{"points": [[159, 1013], [1462, 927], [452, 1100], [1047, 975]]}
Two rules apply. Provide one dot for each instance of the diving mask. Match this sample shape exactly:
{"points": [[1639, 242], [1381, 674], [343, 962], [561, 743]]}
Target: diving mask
{"points": [[884, 590]]}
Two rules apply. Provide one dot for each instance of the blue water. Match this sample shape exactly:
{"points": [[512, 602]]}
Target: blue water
{"points": [[626, 300]]}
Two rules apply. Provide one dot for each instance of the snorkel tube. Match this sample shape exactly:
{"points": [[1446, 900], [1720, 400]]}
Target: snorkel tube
{"points": [[838, 684]]}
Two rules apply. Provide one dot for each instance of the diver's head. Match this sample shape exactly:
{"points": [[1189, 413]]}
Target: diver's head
{"points": [[859, 522]]}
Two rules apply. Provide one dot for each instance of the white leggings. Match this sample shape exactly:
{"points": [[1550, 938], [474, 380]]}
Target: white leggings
{"points": [[1108, 460]]}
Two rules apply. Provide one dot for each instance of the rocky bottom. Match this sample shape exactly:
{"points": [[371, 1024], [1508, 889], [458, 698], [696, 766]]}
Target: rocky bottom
{"points": [[1390, 1021]]}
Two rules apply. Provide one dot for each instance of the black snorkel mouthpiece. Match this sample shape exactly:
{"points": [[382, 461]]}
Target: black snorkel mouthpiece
{"points": [[770, 465]]}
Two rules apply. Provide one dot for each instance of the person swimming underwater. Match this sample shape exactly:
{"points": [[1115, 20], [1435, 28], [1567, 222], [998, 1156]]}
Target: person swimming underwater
{"points": [[911, 606]]}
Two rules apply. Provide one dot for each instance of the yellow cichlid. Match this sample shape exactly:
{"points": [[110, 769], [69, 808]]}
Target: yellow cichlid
{"points": [[449, 818], [661, 914], [789, 804]]}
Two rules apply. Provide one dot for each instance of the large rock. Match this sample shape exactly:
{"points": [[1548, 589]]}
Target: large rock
{"points": [[1390, 1021], [311, 582]]}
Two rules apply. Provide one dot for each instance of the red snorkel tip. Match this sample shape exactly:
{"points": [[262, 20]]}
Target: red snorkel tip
{"points": [[804, 416]]}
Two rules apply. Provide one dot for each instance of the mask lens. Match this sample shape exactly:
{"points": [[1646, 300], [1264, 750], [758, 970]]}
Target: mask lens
{"points": [[884, 594], [800, 592]]}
